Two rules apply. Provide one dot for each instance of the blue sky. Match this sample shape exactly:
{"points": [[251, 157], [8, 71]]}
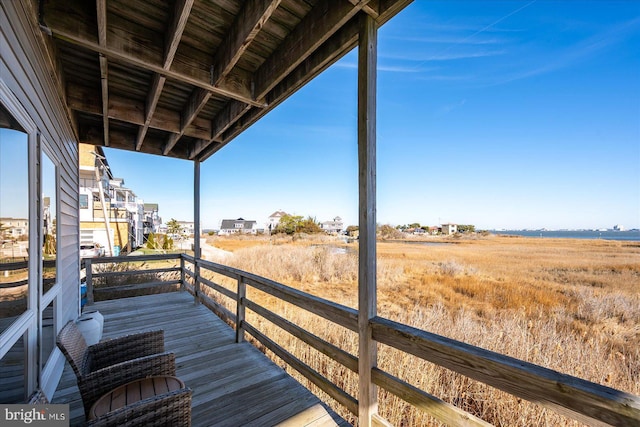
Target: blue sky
{"points": [[507, 114]]}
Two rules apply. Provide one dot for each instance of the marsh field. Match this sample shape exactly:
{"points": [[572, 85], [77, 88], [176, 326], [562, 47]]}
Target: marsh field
{"points": [[571, 305]]}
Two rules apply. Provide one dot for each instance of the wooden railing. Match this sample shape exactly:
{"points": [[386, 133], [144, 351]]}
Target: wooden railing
{"points": [[91, 275], [579, 399]]}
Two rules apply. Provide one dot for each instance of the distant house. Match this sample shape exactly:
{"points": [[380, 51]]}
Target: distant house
{"points": [[448, 229], [274, 220], [14, 228], [111, 215], [335, 226], [237, 226], [187, 228], [152, 220], [433, 229]]}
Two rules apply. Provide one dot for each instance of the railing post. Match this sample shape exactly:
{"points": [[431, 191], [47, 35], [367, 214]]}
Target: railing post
{"points": [[196, 284], [240, 308], [89, 281], [182, 284]]}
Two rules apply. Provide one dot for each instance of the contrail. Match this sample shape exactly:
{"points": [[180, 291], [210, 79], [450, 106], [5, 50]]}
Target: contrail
{"points": [[498, 21], [485, 28]]}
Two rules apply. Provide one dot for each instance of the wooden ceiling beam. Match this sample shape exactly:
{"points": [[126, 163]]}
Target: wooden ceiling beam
{"points": [[186, 74], [252, 17], [126, 141], [196, 103], [334, 48], [84, 100], [301, 43], [250, 20], [101, 12], [320, 23], [369, 7], [150, 107], [181, 14], [230, 114], [338, 45], [174, 35]]}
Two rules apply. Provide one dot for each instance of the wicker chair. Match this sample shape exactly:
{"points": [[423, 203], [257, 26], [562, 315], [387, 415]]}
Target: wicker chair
{"points": [[108, 364]]}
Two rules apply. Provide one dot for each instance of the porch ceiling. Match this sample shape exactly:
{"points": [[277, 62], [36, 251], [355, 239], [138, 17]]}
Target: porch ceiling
{"points": [[183, 78]]}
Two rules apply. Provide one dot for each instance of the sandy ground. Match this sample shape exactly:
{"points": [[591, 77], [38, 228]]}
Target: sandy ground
{"points": [[211, 253]]}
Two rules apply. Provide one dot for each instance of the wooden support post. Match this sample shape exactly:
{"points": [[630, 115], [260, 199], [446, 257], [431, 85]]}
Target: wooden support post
{"points": [[367, 351], [196, 227], [240, 308], [89, 281]]}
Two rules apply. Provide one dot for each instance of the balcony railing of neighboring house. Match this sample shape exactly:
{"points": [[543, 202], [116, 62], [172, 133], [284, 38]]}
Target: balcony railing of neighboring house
{"points": [[571, 396], [120, 204]]}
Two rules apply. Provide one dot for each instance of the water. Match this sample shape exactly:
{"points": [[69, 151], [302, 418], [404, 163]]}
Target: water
{"points": [[633, 235]]}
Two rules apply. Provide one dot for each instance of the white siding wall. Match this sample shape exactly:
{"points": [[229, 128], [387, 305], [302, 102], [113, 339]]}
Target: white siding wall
{"points": [[25, 70]]}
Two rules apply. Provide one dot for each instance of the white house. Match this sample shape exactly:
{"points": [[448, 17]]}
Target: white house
{"points": [[334, 226], [274, 220], [449, 229], [187, 228], [14, 228]]}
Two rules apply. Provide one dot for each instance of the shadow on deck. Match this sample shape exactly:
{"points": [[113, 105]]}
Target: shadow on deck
{"points": [[233, 384]]}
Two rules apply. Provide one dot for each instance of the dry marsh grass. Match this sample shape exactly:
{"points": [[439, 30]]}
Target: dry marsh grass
{"points": [[569, 305]]}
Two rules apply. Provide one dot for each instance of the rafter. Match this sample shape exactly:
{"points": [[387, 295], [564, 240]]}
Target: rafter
{"points": [[192, 76], [229, 115], [246, 26], [339, 44], [150, 107], [157, 55], [335, 47], [122, 140], [101, 12], [252, 17], [176, 28], [320, 23], [371, 8], [126, 110], [197, 101], [304, 41]]}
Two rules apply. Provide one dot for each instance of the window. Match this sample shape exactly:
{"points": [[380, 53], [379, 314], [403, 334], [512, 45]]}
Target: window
{"points": [[84, 201], [14, 219]]}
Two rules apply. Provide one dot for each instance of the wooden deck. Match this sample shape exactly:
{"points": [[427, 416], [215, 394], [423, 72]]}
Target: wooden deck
{"points": [[233, 384]]}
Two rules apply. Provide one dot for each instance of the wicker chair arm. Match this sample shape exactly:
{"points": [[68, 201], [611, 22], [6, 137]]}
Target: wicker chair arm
{"points": [[93, 385], [169, 409], [113, 351]]}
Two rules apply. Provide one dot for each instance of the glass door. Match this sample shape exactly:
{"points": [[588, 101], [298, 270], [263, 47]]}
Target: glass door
{"points": [[18, 268]]}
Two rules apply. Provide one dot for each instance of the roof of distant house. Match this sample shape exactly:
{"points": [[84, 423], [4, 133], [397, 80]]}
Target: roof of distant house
{"points": [[230, 224], [278, 214]]}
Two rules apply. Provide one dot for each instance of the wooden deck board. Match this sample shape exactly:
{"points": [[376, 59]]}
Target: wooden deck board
{"points": [[233, 384]]}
